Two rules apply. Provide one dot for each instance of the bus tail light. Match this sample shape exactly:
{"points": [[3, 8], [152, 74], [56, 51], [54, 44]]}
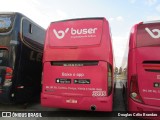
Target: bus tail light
{"points": [[8, 76], [109, 79], [134, 90]]}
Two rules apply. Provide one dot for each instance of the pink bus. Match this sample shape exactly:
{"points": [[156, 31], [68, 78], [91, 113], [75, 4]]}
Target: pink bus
{"points": [[143, 85], [78, 65]]}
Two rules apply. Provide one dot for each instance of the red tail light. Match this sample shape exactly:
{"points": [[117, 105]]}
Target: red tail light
{"points": [[134, 91], [9, 70], [8, 76]]}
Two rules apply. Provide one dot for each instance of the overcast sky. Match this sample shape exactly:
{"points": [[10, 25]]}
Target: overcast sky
{"points": [[121, 14]]}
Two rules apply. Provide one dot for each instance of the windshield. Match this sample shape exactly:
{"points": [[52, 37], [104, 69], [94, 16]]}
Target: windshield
{"points": [[6, 23]]}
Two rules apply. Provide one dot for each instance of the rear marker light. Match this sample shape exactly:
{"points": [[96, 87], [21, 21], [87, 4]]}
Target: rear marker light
{"points": [[8, 77], [134, 94], [12, 95], [20, 87], [134, 90]]}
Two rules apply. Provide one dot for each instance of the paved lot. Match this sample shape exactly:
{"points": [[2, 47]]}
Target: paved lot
{"points": [[78, 115]]}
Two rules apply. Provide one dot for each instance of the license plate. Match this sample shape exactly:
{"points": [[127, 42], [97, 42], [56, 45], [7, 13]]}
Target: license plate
{"points": [[71, 101]]}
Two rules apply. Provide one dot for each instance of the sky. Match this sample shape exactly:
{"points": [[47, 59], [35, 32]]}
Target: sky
{"points": [[121, 14]]}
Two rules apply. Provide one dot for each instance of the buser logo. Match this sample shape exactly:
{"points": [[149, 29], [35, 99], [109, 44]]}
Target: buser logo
{"points": [[60, 34], [155, 33]]}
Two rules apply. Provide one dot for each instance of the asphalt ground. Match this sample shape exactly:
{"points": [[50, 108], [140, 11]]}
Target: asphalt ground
{"points": [[62, 114]]}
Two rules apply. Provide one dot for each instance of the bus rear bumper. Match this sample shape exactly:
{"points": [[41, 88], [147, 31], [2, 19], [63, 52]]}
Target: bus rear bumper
{"points": [[147, 111], [79, 103], [138, 107]]}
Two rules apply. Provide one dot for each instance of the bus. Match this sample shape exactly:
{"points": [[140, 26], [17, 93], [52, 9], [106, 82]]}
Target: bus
{"points": [[78, 65], [21, 48], [143, 85]]}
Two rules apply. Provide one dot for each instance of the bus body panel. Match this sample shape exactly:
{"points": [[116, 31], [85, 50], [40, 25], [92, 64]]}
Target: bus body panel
{"points": [[80, 103], [147, 75], [135, 106], [24, 65], [80, 81], [144, 63], [75, 70], [28, 86]]}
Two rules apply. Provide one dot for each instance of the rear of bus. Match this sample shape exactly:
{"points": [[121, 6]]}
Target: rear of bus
{"points": [[78, 65], [6, 24], [144, 68]]}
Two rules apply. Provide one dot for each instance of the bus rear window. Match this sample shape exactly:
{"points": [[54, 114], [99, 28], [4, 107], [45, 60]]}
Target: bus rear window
{"points": [[76, 33], [3, 57], [148, 35], [6, 23]]}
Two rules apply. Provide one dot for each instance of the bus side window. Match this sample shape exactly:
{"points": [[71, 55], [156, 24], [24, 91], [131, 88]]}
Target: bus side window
{"points": [[30, 28]]}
